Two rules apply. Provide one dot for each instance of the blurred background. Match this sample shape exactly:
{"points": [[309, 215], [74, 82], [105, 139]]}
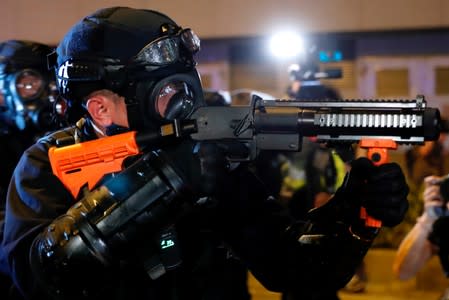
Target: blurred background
{"points": [[387, 48], [391, 49]]}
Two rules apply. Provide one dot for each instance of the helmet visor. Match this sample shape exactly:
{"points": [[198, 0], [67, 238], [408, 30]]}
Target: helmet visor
{"points": [[167, 50]]}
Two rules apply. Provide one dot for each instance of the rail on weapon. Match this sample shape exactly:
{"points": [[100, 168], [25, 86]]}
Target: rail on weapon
{"points": [[281, 124]]}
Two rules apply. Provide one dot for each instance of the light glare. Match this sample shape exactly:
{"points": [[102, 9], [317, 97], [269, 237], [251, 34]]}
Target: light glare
{"points": [[286, 44]]}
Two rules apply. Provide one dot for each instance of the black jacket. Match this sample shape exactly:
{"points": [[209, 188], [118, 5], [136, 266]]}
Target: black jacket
{"points": [[244, 220]]}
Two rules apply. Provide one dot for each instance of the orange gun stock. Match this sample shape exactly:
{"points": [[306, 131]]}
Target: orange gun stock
{"points": [[88, 162]]}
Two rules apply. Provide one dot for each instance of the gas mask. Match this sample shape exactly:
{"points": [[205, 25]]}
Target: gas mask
{"points": [[26, 99], [159, 102], [175, 95], [159, 83]]}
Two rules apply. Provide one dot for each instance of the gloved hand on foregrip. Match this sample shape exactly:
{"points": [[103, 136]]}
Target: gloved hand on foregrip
{"points": [[381, 190]]}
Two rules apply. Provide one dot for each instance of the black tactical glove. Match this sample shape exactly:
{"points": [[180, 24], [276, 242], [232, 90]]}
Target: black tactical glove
{"points": [[57, 275], [381, 190], [58, 232]]}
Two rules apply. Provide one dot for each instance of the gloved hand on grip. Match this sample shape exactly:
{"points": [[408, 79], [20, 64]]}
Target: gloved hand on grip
{"points": [[381, 190]]}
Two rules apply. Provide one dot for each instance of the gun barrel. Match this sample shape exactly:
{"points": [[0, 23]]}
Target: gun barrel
{"points": [[281, 124], [405, 121], [351, 124]]}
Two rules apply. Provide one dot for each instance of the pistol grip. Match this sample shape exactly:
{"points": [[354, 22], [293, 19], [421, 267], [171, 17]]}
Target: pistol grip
{"points": [[369, 221], [377, 152]]}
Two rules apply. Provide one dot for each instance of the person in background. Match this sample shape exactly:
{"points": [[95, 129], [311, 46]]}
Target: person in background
{"points": [[421, 162], [27, 94], [428, 237]]}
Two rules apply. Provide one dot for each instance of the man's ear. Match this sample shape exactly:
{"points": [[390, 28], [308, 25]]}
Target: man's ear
{"points": [[98, 109]]}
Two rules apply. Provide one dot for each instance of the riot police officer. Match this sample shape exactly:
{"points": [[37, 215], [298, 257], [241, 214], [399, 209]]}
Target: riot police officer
{"points": [[27, 91], [148, 231]]}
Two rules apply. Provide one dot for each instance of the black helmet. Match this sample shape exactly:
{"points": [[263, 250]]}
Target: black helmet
{"points": [[140, 54], [27, 86]]}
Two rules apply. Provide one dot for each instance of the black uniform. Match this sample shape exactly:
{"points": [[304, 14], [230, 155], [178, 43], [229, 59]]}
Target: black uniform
{"points": [[244, 220]]}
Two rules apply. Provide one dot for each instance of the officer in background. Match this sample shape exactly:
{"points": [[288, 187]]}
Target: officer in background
{"points": [[27, 93], [146, 232]]}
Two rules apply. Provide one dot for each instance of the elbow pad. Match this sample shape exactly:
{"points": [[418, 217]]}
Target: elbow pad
{"points": [[145, 195]]}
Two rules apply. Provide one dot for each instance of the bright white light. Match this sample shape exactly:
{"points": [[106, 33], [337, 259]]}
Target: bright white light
{"points": [[286, 44]]}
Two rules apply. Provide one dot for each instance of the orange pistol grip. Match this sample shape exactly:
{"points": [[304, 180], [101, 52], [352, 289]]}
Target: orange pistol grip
{"points": [[377, 152]]}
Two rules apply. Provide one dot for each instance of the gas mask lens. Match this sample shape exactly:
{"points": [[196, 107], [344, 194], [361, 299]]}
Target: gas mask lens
{"points": [[166, 50], [174, 101], [28, 84]]}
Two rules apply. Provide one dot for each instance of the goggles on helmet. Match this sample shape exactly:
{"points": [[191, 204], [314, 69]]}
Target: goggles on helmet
{"points": [[167, 49], [160, 52]]}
